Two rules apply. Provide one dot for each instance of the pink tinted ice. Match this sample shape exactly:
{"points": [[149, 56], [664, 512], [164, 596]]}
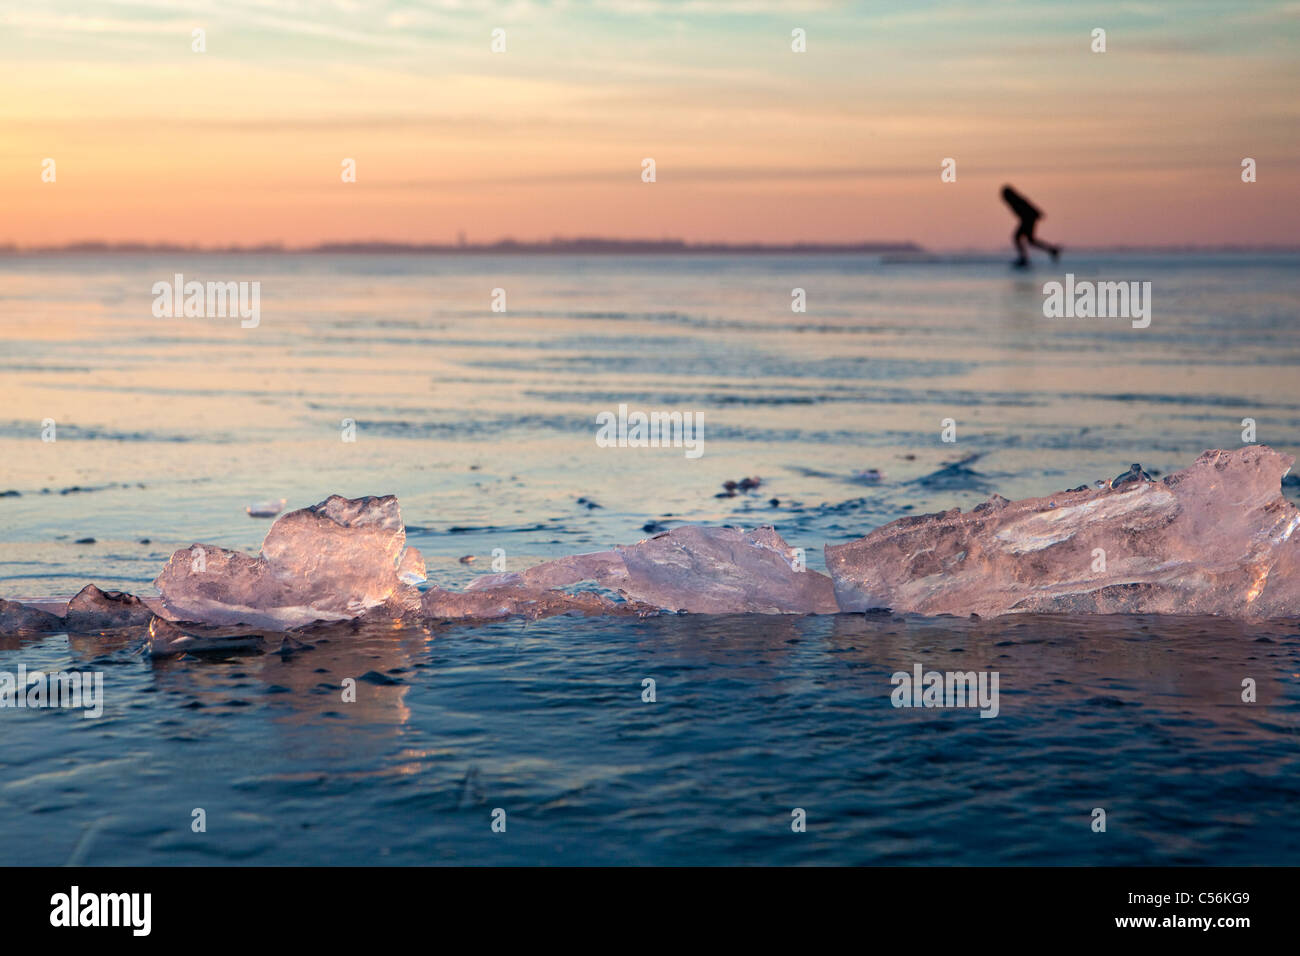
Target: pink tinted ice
{"points": [[696, 569], [329, 562], [1215, 538]]}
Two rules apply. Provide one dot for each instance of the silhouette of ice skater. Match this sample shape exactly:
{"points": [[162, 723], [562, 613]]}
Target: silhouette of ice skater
{"points": [[1029, 214]]}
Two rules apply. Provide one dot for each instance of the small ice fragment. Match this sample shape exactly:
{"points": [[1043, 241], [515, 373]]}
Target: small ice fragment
{"points": [[266, 509]]}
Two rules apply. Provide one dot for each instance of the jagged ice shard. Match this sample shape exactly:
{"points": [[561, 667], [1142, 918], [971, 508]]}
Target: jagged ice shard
{"points": [[1215, 538]]}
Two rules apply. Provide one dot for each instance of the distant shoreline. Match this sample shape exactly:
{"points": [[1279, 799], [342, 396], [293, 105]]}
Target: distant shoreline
{"points": [[551, 247], [897, 252]]}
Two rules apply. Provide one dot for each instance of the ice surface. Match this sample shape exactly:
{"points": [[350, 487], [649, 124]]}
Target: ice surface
{"points": [[328, 562], [1216, 538]]}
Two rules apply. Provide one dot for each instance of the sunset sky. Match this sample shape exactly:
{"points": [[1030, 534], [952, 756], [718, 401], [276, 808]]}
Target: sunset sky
{"points": [[243, 144]]}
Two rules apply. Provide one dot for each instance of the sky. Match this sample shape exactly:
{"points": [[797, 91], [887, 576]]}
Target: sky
{"points": [[245, 143]]}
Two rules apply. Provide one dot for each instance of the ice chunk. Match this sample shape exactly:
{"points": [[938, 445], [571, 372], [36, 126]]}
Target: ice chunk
{"points": [[18, 618], [328, 562], [1216, 538], [348, 546], [724, 571], [606, 568], [266, 509], [95, 610], [697, 569]]}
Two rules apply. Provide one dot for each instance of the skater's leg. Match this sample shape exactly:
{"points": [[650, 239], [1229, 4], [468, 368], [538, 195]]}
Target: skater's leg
{"points": [[1055, 251], [1018, 240]]}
